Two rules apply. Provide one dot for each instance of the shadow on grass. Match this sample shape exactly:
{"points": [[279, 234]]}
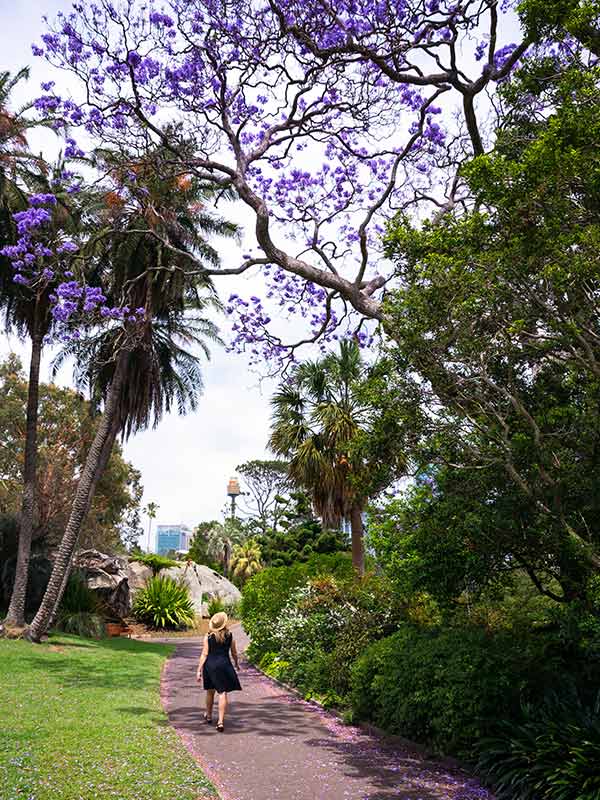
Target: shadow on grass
{"points": [[108, 663]]}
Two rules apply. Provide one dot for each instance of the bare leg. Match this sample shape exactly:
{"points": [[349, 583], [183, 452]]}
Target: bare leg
{"points": [[210, 699], [222, 707]]}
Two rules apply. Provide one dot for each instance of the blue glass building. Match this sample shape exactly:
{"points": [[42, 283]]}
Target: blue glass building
{"points": [[172, 537]]}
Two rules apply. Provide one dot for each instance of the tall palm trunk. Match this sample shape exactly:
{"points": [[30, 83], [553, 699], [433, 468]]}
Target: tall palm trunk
{"points": [[358, 548], [100, 467], [16, 609], [92, 471]]}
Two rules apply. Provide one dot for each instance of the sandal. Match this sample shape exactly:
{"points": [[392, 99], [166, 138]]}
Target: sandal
{"points": [[220, 727], [207, 719]]}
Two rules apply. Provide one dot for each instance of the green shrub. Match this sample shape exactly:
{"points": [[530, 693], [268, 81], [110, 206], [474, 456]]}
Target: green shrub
{"points": [[155, 562], [215, 606], [81, 623], [554, 754], [266, 593], [78, 597], [233, 609], [447, 686], [164, 603]]}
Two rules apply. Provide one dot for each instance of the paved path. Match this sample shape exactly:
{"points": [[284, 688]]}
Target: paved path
{"points": [[277, 747]]}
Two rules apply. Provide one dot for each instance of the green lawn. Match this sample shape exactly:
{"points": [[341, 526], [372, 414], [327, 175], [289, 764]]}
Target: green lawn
{"points": [[81, 720]]}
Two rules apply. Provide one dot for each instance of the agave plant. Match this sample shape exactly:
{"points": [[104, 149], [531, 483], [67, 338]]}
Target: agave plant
{"points": [[164, 603]]}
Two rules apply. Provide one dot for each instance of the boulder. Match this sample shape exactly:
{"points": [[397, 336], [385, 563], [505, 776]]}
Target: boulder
{"points": [[107, 577], [204, 584], [137, 575]]}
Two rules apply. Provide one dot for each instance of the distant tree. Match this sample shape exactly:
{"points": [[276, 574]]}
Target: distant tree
{"points": [[266, 483], [199, 547], [300, 535], [150, 512]]}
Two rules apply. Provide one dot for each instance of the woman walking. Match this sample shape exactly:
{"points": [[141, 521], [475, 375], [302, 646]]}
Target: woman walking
{"points": [[215, 667]]}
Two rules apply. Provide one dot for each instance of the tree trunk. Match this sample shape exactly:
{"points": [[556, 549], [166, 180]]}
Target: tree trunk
{"points": [[92, 471], [16, 609], [358, 550], [99, 471]]}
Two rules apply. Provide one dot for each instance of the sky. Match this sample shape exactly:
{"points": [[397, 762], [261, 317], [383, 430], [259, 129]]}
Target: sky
{"points": [[187, 461]]}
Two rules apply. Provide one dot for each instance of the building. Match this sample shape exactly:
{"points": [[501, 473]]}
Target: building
{"points": [[173, 538]]}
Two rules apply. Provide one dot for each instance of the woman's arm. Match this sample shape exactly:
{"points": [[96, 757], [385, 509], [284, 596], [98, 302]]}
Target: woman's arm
{"points": [[234, 653], [203, 658]]}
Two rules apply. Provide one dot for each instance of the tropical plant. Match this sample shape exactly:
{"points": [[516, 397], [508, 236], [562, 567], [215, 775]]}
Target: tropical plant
{"points": [[245, 560], [164, 603], [78, 612], [142, 254], [221, 538], [321, 416], [150, 511], [155, 562], [552, 754], [215, 606]]}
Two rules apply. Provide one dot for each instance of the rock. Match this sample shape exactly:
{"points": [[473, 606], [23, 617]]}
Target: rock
{"points": [[94, 559], [204, 584], [107, 577], [137, 575]]}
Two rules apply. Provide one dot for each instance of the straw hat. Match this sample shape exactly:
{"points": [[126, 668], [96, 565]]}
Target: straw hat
{"points": [[218, 621]]}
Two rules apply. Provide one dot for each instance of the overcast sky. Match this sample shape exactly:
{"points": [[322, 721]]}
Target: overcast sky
{"points": [[186, 462]]}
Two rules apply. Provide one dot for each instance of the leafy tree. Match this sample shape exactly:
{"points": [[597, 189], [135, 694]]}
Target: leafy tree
{"points": [[65, 429], [199, 546], [267, 483], [300, 536], [499, 319]]}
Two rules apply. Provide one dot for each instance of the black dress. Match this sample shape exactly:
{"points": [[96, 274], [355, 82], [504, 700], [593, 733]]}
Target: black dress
{"points": [[218, 672]]}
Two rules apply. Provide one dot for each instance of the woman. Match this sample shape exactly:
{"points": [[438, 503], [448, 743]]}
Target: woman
{"points": [[216, 668]]}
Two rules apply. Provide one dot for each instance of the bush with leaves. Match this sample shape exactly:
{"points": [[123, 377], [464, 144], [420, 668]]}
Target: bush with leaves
{"points": [[164, 603], [267, 593], [79, 610], [553, 754], [447, 686], [215, 606], [155, 562]]}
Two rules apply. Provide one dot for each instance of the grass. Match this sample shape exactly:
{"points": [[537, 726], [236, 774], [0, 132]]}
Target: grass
{"points": [[82, 720]]}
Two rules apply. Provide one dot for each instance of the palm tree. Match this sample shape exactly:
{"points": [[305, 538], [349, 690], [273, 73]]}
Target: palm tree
{"points": [[150, 512], [140, 373], [245, 560], [317, 417], [221, 539], [25, 310]]}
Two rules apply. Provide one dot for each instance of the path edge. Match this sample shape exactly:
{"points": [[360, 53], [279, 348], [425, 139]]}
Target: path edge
{"points": [[390, 739], [165, 701]]}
